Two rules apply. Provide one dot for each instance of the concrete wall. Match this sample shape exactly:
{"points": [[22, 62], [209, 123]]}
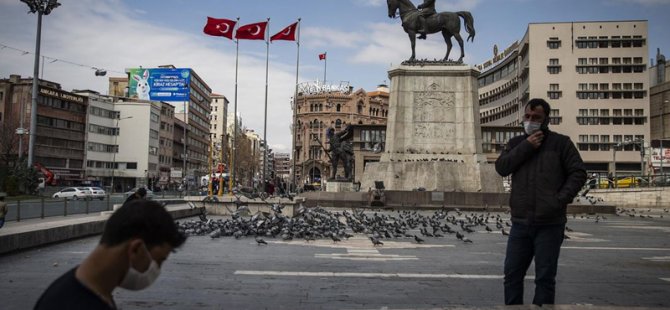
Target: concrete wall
{"points": [[42, 233], [658, 197]]}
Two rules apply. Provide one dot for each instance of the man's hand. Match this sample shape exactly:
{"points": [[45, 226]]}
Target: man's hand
{"points": [[536, 139]]}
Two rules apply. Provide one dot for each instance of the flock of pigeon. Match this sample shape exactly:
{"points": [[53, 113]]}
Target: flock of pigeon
{"points": [[318, 223]]}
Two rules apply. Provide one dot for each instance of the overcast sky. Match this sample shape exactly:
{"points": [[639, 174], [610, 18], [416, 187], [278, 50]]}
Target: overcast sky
{"points": [[361, 41]]}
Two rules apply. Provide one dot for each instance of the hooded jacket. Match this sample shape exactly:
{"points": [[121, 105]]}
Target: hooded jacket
{"points": [[544, 180]]}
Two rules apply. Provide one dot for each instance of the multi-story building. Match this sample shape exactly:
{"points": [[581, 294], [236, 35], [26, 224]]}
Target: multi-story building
{"points": [[102, 130], [137, 160], [659, 94], [594, 76], [61, 126], [219, 118], [166, 142], [319, 110], [195, 114], [282, 166], [369, 144]]}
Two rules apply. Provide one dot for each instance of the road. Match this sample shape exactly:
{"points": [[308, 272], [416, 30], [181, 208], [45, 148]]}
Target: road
{"points": [[619, 261]]}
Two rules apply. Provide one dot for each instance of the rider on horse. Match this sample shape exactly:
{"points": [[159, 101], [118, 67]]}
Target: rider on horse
{"points": [[427, 10]]}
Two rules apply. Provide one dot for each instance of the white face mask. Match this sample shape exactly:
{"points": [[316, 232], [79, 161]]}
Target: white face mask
{"points": [[135, 280], [531, 127]]}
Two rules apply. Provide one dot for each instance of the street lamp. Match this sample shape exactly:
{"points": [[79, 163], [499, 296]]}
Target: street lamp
{"points": [[41, 7], [117, 148]]}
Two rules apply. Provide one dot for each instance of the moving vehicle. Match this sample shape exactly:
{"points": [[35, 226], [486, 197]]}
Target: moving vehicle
{"points": [[74, 193], [97, 193]]}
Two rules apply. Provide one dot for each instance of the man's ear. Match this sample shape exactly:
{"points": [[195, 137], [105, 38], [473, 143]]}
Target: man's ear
{"points": [[135, 246]]}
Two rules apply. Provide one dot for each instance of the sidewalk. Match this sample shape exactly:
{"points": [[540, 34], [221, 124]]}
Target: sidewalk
{"points": [[30, 233]]}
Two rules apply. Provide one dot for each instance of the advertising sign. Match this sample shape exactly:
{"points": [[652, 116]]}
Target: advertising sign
{"points": [[656, 157], [159, 84]]}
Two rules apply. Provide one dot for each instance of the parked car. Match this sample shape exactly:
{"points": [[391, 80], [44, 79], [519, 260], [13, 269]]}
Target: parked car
{"points": [[150, 194], [97, 193], [74, 193]]}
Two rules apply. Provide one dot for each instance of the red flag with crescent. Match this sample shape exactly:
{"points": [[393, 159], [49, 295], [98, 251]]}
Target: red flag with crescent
{"points": [[255, 31], [287, 33], [220, 27]]}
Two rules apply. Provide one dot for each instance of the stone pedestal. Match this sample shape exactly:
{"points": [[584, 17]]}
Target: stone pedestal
{"points": [[433, 135], [339, 187]]}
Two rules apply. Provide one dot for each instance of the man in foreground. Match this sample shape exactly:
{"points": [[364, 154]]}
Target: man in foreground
{"points": [[547, 173], [136, 241]]}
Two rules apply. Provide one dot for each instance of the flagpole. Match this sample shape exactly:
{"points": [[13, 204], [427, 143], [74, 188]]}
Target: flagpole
{"points": [[325, 66], [232, 172], [265, 118], [295, 106]]}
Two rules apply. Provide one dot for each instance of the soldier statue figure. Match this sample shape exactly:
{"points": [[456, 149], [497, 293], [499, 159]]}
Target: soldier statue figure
{"points": [[427, 10], [341, 148]]}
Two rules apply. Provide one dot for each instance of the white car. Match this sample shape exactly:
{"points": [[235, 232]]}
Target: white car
{"points": [[73, 193], [97, 193]]}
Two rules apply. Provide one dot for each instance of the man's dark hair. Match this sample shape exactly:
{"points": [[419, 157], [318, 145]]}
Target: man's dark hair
{"points": [[144, 219], [534, 103]]}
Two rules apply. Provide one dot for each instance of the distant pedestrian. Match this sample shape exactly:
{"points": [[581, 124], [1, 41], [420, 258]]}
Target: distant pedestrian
{"points": [[140, 193], [137, 239], [547, 173], [3, 209]]}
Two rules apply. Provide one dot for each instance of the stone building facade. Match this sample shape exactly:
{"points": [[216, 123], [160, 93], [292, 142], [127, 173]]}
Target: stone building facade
{"points": [[61, 126], [318, 111]]}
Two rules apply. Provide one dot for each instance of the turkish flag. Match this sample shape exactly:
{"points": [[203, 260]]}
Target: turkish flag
{"points": [[322, 56], [254, 31], [287, 33], [220, 27]]}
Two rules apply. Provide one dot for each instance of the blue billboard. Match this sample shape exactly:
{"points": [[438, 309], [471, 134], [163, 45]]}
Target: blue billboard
{"points": [[159, 84]]}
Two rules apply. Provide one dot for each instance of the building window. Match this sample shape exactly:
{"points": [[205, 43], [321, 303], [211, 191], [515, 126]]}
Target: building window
{"points": [[338, 107], [553, 43], [555, 117]]}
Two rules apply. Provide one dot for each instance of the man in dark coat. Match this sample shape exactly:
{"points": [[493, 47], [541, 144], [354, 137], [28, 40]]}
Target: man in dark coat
{"points": [[547, 173]]}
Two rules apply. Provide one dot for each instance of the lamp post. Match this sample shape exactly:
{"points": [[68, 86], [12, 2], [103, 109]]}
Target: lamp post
{"points": [[117, 149], [41, 7]]}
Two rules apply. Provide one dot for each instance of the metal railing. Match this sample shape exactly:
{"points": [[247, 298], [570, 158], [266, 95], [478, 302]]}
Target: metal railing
{"points": [[44, 207]]}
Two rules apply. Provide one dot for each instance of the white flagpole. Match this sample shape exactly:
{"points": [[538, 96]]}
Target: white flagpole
{"points": [[295, 105], [265, 118], [233, 174], [325, 66]]}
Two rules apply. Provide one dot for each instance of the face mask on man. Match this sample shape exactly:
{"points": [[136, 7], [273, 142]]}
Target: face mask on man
{"points": [[135, 280], [531, 127]]}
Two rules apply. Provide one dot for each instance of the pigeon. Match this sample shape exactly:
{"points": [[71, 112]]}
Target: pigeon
{"points": [[505, 233], [260, 241], [418, 240], [335, 238], [375, 241], [488, 229], [568, 229]]}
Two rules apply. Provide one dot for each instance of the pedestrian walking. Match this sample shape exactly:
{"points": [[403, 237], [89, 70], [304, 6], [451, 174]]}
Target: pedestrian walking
{"points": [[547, 173], [136, 241]]}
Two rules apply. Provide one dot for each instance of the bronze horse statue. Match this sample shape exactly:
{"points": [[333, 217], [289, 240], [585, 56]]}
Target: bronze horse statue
{"points": [[446, 22]]}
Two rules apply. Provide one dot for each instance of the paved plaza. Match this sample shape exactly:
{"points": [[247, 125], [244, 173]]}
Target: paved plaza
{"points": [[619, 261]]}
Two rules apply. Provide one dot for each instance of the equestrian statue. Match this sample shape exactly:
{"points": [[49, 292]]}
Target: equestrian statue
{"points": [[425, 20]]}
